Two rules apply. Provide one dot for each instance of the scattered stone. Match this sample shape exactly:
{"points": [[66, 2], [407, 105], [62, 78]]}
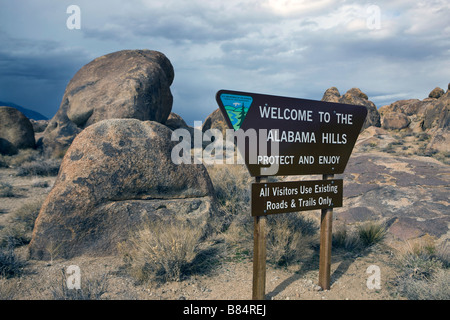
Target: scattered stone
{"points": [[16, 131]]}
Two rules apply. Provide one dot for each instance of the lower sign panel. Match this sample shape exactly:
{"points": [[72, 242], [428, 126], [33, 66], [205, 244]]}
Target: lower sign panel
{"points": [[283, 197]]}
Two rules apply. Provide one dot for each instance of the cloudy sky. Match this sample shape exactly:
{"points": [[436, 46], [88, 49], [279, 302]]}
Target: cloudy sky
{"points": [[391, 50]]}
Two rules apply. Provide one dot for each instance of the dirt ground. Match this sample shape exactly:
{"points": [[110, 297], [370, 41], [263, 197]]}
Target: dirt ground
{"points": [[231, 279]]}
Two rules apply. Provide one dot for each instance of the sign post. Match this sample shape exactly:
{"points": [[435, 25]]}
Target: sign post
{"points": [[259, 253], [326, 227], [281, 136]]}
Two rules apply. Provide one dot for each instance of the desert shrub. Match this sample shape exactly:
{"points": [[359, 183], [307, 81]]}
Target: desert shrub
{"points": [[290, 238], [443, 157], [44, 167], [3, 163], [443, 253], [161, 250], [436, 287], [26, 214], [399, 142], [361, 237], [10, 264], [232, 187], [371, 233], [422, 136], [21, 224], [13, 235], [92, 288], [343, 238], [389, 148], [24, 155], [6, 190], [8, 289], [40, 184], [423, 271]]}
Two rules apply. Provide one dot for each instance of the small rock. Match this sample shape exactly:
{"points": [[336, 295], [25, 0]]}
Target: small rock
{"points": [[436, 93]]}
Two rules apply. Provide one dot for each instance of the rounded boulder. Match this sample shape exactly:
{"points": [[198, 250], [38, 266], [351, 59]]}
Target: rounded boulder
{"points": [[115, 175]]}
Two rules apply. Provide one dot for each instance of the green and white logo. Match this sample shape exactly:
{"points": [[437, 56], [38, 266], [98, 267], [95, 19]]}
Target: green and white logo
{"points": [[237, 107]]}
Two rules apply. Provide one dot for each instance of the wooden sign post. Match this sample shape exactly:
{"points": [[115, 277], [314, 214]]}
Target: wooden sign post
{"points": [[292, 137], [326, 228], [259, 252]]}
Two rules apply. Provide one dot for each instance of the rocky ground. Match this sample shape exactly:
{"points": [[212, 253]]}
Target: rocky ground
{"points": [[117, 171], [409, 193]]}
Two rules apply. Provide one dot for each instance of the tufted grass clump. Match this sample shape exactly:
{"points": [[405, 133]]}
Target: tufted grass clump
{"points": [[290, 238], [43, 167], [424, 272], [371, 233], [361, 237], [6, 190], [10, 264], [21, 223], [162, 251]]}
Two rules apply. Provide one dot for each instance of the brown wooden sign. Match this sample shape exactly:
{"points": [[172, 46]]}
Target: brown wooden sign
{"points": [[291, 136], [293, 196]]}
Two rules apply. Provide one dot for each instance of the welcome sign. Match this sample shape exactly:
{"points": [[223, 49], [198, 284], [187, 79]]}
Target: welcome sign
{"points": [[311, 137], [290, 136]]}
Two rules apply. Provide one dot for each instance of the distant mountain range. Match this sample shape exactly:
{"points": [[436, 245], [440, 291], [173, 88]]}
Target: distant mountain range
{"points": [[30, 114]]}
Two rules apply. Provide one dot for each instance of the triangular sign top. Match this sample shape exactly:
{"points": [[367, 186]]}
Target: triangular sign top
{"points": [[236, 107]]}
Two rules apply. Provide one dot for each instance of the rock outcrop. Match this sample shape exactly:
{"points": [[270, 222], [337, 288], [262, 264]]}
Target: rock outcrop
{"points": [[356, 97], [410, 194], [116, 174], [430, 116], [174, 121], [16, 131], [124, 84], [395, 121], [215, 121]]}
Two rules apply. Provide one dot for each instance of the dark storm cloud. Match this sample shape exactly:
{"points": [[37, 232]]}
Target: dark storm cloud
{"points": [[34, 73], [294, 48]]}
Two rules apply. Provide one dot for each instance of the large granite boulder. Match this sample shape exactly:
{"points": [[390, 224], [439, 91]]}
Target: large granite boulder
{"points": [[116, 174], [356, 97], [215, 120], [438, 115], [124, 84], [16, 131], [395, 121]]}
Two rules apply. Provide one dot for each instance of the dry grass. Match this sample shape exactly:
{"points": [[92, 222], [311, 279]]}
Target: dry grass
{"points": [[21, 223], [232, 188], [424, 272], [10, 264], [291, 238], [92, 288], [6, 190], [8, 289], [361, 237], [161, 250]]}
